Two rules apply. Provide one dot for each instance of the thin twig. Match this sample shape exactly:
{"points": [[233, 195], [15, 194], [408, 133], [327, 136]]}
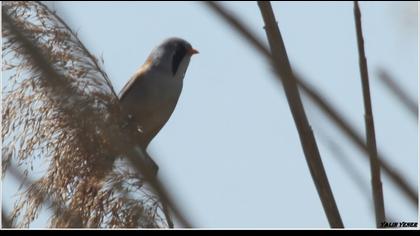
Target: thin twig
{"points": [[353, 173], [344, 161], [307, 139], [375, 170], [325, 106], [396, 90]]}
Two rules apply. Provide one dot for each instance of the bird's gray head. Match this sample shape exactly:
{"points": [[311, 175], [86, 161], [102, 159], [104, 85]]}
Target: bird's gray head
{"points": [[172, 55]]}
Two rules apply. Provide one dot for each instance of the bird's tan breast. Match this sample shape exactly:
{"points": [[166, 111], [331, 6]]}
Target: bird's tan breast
{"points": [[150, 100]]}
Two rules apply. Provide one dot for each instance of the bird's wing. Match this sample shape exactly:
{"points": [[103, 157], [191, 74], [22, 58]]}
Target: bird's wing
{"points": [[128, 86], [136, 77]]}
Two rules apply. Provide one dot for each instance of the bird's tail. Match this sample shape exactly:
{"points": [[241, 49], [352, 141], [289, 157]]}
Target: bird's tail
{"points": [[148, 165]]}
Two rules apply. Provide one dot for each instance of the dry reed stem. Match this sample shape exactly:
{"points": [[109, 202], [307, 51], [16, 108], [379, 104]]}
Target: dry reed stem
{"points": [[307, 139], [377, 193], [318, 100], [396, 90]]}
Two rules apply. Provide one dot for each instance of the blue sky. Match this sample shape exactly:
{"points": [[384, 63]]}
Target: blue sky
{"points": [[230, 153]]}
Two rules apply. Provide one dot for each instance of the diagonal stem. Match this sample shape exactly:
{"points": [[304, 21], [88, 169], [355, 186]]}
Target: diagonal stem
{"points": [[409, 103], [377, 193], [306, 136], [323, 104]]}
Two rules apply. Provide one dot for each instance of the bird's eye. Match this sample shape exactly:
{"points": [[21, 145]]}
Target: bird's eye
{"points": [[180, 52]]}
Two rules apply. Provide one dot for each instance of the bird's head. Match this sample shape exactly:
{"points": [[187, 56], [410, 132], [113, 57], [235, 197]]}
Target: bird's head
{"points": [[172, 55]]}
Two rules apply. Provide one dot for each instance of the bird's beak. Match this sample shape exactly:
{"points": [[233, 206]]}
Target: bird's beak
{"points": [[193, 51]]}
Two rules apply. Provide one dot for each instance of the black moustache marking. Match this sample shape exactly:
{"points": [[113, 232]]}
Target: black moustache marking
{"points": [[180, 52]]}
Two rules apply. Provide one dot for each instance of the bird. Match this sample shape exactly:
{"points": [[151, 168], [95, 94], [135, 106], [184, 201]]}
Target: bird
{"points": [[150, 96]]}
